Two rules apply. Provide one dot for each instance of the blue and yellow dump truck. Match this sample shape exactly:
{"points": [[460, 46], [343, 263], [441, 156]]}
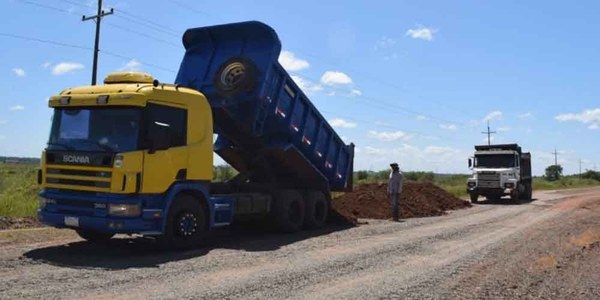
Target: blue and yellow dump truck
{"points": [[135, 155]]}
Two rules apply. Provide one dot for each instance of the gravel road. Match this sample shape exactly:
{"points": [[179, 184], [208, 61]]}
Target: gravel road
{"points": [[547, 248]]}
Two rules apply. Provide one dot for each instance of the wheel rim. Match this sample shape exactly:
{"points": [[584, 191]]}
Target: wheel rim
{"points": [[187, 224], [232, 75]]}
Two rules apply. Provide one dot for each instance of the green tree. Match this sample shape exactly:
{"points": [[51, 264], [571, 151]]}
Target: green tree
{"points": [[554, 172], [362, 175], [591, 174]]}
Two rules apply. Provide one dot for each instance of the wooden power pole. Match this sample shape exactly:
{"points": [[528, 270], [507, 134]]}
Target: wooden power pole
{"points": [[97, 18]]}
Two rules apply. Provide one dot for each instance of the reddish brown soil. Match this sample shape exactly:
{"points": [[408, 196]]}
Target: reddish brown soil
{"points": [[418, 199], [18, 222]]}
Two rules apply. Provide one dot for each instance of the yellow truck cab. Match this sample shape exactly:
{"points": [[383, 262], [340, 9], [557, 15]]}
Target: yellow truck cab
{"points": [[123, 140], [135, 156]]}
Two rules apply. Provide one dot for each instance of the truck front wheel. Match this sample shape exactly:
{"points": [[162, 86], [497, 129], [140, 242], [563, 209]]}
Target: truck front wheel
{"points": [[288, 210], [316, 209], [474, 197], [94, 236], [514, 195], [186, 224]]}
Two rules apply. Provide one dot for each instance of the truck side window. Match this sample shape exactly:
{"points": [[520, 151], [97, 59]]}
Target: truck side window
{"points": [[176, 118]]}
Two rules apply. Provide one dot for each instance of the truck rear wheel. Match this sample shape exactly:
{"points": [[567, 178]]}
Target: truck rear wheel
{"points": [[288, 210], [474, 197], [186, 224], [94, 236], [316, 209]]}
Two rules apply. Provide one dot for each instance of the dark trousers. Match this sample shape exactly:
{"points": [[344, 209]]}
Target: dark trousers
{"points": [[395, 206]]}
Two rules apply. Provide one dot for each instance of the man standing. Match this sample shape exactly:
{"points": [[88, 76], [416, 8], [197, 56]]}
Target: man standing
{"points": [[394, 190]]}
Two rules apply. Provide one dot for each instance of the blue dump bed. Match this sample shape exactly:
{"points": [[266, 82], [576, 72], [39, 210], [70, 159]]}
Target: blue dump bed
{"points": [[266, 126]]}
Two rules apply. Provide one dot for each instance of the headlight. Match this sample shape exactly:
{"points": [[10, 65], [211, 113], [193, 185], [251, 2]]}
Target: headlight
{"points": [[44, 202], [118, 161], [509, 185], [471, 183], [124, 210]]}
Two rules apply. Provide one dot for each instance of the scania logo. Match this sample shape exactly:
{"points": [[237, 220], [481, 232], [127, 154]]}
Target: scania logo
{"points": [[76, 159]]}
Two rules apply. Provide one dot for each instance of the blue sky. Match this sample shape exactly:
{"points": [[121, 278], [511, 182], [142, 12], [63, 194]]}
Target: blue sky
{"points": [[406, 81]]}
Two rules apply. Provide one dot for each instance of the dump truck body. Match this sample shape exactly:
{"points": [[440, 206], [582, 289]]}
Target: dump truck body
{"points": [[500, 170], [135, 155]]}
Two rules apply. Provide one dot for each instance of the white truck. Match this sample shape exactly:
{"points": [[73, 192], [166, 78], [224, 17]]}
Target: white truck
{"points": [[500, 170]]}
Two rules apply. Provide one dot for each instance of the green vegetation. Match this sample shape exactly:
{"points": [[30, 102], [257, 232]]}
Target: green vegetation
{"points": [[554, 172], [18, 190], [18, 186]]}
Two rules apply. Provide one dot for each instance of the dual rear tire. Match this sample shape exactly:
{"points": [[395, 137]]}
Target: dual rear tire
{"points": [[292, 210]]}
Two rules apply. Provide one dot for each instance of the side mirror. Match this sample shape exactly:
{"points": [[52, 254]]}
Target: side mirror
{"points": [[159, 136], [470, 163]]}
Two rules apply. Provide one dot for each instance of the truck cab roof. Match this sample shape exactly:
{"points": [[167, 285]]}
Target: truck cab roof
{"points": [[119, 88]]}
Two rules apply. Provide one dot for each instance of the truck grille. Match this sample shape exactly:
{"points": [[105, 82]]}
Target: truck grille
{"points": [[488, 180], [69, 177]]}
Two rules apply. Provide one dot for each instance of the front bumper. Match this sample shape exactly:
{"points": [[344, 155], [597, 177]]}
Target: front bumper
{"points": [[89, 211], [103, 224], [489, 191]]}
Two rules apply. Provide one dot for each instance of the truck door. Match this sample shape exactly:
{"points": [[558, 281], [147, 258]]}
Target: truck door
{"points": [[164, 167]]}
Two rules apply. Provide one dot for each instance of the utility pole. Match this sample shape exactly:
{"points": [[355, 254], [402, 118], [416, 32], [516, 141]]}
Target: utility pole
{"points": [[97, 18], [580, 168], [555, 157], [489, 133]]}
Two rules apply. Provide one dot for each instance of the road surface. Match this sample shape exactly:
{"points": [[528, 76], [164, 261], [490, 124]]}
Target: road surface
{"points": [[547, 248]]}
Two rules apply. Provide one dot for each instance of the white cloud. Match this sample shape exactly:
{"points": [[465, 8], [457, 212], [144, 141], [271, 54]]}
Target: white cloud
{"points": [[355, 93], [503, 129], [422, 118], [495, 115], [17, 107], [46, 65], [389, 136], [421, 32], [525, 116], [341, 123], [385, 42], [306, 85], [290, 62], [132, 65], [19, 72], [335, 78], [448, 126], [331, 94], [439, 150], [588, 116], [2, 137], [2, 122], [66, 67]]}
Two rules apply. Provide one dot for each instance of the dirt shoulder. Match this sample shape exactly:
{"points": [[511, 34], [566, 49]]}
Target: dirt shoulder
{"points": [[555, 259]]}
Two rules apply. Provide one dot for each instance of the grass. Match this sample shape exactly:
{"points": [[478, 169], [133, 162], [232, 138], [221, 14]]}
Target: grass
{"points": [[18, 190]]}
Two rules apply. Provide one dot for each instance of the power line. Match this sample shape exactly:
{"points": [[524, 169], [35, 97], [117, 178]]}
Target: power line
{"points": [[33, 39], [128, 19], [45, 6], [143, 35]]}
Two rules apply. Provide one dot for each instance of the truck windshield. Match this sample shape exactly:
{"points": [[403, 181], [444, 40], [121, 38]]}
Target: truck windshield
{"points": [[495, 161], [95, 129]]}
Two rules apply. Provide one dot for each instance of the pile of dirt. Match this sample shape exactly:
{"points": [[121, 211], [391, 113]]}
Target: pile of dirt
{"points": [[418, 199], [18, 222]]}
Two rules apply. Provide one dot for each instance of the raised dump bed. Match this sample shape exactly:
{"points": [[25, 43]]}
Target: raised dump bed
{"points": [[267, 127]]}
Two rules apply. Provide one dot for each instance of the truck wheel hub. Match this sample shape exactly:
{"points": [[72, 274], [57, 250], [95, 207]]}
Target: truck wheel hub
{"points": [[187, 224], [232, 75]]}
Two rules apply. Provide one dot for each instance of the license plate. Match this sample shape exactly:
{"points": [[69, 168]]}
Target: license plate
{"points": [[72, 221]]}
